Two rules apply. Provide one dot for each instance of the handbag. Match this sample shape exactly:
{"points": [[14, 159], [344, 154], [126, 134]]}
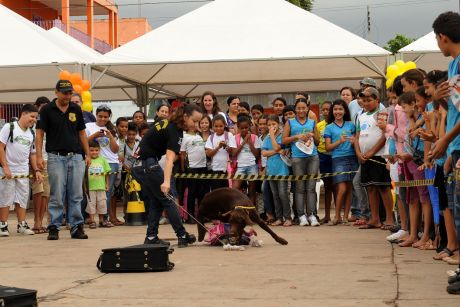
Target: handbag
{"points": [[137, 258]]}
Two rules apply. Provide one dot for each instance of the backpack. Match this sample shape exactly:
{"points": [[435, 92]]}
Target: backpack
{"points": [[11, 138]]}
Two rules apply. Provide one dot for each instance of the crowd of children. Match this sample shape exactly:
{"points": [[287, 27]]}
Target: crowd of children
{"points": [[366, 146]]}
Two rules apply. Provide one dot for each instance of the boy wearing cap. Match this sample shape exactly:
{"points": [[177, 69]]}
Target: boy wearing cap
{"points": [[62, 121], [369, 150]]}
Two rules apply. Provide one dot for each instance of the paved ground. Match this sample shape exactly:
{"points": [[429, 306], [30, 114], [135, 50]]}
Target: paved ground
{"points": [[324, 266]]}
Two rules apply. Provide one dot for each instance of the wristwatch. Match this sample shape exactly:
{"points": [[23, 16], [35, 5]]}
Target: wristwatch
{"points": [[37, 170]]}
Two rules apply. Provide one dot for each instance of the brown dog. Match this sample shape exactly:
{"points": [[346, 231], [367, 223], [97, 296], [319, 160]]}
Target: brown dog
{"points": [[234, 207]]}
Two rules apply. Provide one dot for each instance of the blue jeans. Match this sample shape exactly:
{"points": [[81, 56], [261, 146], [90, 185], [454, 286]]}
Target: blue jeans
{"points": [[305, 189], [268, 198], [281, 199], [112, 177], [65, 178], [247, 170], [150, 176], [361, 197]]}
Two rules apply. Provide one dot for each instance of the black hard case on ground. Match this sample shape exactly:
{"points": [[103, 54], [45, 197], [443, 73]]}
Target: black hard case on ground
{"points": [[137, 258], [16, 297]]}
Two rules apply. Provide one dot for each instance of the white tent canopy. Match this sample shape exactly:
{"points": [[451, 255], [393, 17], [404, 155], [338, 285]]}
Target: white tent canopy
{"points": [[29, 60], [246, 47], [425, 52]]}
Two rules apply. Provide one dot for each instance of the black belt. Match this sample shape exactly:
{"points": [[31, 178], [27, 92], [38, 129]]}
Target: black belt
{"points": [[62, 153]]}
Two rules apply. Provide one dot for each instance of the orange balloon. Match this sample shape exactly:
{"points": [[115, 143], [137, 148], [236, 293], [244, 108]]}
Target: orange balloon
{"points": [[75, 78], [86, 85], [77, 88], [64, 75]]}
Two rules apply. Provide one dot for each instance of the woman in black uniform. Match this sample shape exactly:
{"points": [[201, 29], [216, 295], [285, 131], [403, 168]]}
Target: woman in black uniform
{"points": [[164, 137]]}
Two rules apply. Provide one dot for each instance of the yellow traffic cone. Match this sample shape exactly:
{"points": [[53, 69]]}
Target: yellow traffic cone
{"points": [[135, 210]]}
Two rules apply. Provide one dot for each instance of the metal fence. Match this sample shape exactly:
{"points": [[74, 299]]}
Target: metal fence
{"points": [[99, 45], [8, 111]]}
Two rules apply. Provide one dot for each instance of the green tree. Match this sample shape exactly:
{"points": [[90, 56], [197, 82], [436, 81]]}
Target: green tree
{"points": [[305, 4], [398, 42]]}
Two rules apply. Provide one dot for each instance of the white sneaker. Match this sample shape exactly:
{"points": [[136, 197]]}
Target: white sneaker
{"points": [[303, 221], [397, 235], [4, 229], [313, 221], [24, 229]]}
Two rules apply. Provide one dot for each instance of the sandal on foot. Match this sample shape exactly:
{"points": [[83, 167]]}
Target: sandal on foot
{"points": [[345, 222], [38, 230], [360, 223], [427, 246], [287, 223], [353, 219], [277, 223], [334, 222], [406, 243], [419, 243], [116, 222], [105, 224], [444, 253], [92, 225], [369, 226], [386, 227]]}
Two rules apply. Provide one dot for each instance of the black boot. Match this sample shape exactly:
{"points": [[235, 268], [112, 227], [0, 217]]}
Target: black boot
{"points": [[53, 233], [77, 232], [186, 240], [156, 240]]}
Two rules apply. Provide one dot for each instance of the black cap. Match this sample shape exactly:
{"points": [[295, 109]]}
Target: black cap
{"points": [[64, 86]]}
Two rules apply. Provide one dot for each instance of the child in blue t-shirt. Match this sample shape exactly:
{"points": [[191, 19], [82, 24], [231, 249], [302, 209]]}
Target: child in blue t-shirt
{"points": [[339, 137], [271, 149]]}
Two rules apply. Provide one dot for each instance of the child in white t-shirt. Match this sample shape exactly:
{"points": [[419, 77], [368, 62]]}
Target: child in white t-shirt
{"points": [[219, 147], [16, 150], [193, 161], [247, 152]]}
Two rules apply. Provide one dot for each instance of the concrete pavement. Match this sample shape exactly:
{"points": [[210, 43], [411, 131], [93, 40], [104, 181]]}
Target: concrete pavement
{"points": [[323, 266]]}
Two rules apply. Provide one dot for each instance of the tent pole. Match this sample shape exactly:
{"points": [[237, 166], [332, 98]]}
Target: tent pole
{"points": [[156, 92], [419, 57], [376, 67], [99, 77], [156, 73], [196, 85], [127, 94], [368, 66]]}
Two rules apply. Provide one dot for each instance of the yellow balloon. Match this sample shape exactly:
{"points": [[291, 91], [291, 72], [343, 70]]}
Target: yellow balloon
{"points": [[87, 106], [86, 96], [392, 71], [399, 63], [389, 82], [409, 65]]}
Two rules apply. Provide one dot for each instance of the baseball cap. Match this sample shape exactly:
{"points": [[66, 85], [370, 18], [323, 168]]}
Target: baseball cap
{"points": [[370, 91], [369, 82], [64, 86]]}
